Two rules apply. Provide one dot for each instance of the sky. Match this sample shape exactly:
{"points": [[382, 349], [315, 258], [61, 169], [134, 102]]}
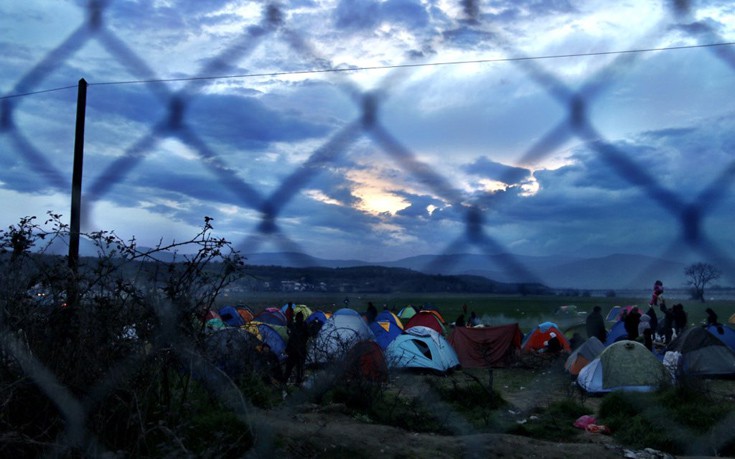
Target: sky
{"points": [[378, 130]]}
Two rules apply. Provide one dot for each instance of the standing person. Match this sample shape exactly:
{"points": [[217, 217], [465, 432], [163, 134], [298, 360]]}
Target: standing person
{"points": [[553, 345], [596, 325], [667, 324], [460, 321], [653, 320], [474, 321], [289, 313], [372, 312], [632, 320], [680, 318], [711, 317], [298, 336]]}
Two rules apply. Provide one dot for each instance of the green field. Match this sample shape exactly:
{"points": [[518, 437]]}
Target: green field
{"points": [[528, 311]]}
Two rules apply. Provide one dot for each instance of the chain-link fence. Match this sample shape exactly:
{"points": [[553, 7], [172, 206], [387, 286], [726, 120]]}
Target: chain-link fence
{"points": [[156, 127]]}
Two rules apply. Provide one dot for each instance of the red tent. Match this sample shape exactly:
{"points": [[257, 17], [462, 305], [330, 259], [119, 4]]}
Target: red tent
{"points": [[481, 347], [427, 319]]}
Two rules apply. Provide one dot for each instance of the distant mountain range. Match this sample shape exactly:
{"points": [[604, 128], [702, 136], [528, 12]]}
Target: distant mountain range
{"points": [[619, 271]]}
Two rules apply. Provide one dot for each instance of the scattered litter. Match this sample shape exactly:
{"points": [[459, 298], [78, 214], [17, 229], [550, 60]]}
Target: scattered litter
{"points": [[522, 421], [583, 421], [648, 453], [533, 418], [595, 428]]}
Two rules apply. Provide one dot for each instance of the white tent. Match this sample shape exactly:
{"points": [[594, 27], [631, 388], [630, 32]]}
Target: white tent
{"points": [[342, 331]]}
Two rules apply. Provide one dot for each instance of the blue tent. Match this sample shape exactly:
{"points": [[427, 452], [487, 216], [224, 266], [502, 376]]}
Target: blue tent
{"points": [[386, 328], [724, 333], [269, 336], [421, 348], [318, 316], [617, 332]]}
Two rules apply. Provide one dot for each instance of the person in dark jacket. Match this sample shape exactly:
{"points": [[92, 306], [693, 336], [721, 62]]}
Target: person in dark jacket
{"points": [[371, 313], [680, 318], [596, 325], [298, 336], [711, 317], [632, 320], [667, 324], [653, 322], [553, 345]]}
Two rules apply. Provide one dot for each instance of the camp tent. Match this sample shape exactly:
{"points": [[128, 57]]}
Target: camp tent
{"points": [[616, 312], [234, 351], [246, 313], [302, 308], [625, 365], [231, 317], [731, 320], [343, 330], [269, 336], [386, 328], [616, 333], [271, 316], [483, 347], [421, 348], [536, 338], [702, 354], [586, 353], [406, 313], [366, 362], [724, 334], [427, 319]]}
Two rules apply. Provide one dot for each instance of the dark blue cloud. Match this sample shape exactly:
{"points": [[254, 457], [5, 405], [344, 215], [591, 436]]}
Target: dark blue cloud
{"points": [[250, 123], [486, 168]]}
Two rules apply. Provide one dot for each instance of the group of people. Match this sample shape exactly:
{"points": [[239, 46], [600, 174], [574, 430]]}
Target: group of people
{"points": [[471, 321], [645, 326]]}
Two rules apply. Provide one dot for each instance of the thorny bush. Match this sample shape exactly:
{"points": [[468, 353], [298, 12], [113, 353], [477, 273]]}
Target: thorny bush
{"points": [[114, 370]]}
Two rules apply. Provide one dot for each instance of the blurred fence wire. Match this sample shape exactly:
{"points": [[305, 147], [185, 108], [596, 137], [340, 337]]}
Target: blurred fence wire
{"points": [[177, 98]]}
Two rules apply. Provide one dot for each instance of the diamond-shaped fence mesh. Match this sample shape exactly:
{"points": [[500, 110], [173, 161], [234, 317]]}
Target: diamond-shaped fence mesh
{"points": [[169, 119]]}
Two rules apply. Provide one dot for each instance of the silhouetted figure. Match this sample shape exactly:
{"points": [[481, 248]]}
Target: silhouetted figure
{"points": [[298, 336], [653, 322], [289, 312], [460, 321], [474, 321], [553, 345], [596, 324], [667, 324], [631, 323], [648, 338], [680, 318], [711, 317], [372, 312], [576, 341]]}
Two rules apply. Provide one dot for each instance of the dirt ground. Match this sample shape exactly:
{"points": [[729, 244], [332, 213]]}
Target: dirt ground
{"points": [[301, 429], [314, 433]]}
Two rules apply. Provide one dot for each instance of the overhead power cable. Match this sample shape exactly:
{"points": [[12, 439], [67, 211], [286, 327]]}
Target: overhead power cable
{"points": [[379, 67]]}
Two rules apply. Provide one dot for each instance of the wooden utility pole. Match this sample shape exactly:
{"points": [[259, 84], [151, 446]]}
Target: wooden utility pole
{"points": [[76, 193]]}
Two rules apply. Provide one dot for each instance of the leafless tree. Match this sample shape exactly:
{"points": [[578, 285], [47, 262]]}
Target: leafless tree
{"points": [[699, 275]]}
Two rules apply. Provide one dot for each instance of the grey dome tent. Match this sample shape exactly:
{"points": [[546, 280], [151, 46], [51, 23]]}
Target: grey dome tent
{"points": [[625, 365], [703, 354]]}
